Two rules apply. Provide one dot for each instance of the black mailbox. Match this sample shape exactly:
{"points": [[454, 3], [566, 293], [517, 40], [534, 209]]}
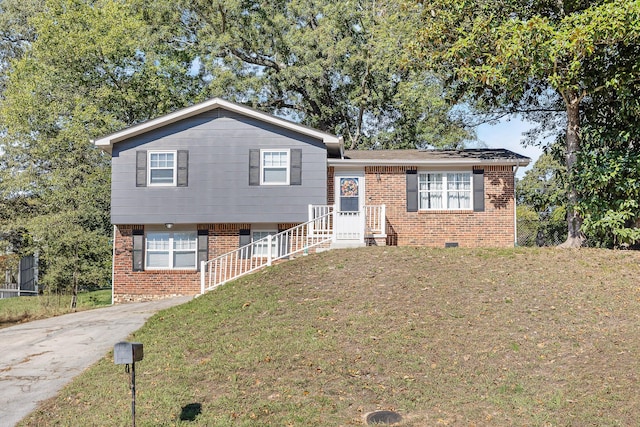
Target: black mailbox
{"points": [[126, 353]]}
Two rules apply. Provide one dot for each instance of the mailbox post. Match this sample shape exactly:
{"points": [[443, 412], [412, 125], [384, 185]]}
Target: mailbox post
{"points": [[128, 353]]}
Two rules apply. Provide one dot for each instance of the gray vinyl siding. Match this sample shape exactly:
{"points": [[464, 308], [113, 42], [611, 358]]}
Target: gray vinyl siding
{"points": [[218, 190]]}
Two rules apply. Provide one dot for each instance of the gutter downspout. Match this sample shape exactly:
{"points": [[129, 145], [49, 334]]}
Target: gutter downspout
{"points": [[515, 201]]}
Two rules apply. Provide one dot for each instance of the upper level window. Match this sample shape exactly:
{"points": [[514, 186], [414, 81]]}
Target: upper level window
{"points": [[444, 190], [171, 250], [274, 167], [162, 168]]}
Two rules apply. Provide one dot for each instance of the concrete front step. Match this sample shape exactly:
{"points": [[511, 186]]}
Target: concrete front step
{"points": [[343, 244]]}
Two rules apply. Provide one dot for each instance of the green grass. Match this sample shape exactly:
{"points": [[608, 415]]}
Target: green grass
{"points": [[536, 337], [24, 309]]}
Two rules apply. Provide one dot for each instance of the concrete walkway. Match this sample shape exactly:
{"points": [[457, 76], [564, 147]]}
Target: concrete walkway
{"points": [[38, 358]]}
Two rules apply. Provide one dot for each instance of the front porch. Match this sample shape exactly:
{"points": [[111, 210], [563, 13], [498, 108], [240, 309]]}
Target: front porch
{"points": [[349, 228]]}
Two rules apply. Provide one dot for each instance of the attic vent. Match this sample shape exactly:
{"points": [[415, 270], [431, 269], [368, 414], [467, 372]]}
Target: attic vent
{"points": [[383, 417]]}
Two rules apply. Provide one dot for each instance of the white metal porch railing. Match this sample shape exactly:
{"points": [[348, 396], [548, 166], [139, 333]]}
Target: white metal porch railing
{"points": [[375, 218], [321, 220], [263, 252]]}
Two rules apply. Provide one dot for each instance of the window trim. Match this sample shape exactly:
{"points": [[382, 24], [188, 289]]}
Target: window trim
{"points": [[274, 246], [171, 249], [174, 181], [445, 190], [264, 151]]}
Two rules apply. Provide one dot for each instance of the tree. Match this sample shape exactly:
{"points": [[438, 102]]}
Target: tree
{"points": [[609, 163], [89, 70], [532, 58], [16, 33], [336, 66], [543, 186], [541, 198]]}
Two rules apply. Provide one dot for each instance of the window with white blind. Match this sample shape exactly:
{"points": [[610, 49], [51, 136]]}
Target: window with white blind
{"points": [[171, 250], [444, 190]]}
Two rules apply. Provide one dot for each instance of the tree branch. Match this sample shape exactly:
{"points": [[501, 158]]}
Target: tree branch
{"points": [[256, 59], [502, 114]]}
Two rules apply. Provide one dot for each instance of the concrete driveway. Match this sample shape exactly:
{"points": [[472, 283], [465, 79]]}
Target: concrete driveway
{"points": [[38, 358]]}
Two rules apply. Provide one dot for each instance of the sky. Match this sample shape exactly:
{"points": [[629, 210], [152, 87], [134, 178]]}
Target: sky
{"points": [[508, 134]]}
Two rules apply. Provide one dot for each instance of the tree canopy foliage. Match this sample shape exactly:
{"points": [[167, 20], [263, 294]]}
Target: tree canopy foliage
{"points": [[538, 59], [342, 67], [543, 186], [541, 200], [85, 72], [609, 162]]}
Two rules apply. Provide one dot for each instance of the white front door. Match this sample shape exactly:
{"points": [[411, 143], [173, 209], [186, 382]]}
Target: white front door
{"points": [[349, 213]]}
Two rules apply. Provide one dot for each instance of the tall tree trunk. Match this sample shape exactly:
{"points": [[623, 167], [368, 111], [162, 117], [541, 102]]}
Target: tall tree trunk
{"points": [[575, 236]]}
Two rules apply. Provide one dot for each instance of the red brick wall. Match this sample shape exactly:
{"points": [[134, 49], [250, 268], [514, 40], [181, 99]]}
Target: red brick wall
{"points": [[129, 285], [492, 228], [331, 194]]}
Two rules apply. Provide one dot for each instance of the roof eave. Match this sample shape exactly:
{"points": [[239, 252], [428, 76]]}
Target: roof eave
{"points": [[106, 142], [428, 162]]}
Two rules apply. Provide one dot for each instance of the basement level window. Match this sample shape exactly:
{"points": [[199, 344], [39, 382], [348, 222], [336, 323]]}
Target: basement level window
{"points": [[262, 249], [171, 250]]}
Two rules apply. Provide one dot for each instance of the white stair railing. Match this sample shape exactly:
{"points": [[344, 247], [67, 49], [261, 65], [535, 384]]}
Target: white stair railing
{"points": [[263, 252]]}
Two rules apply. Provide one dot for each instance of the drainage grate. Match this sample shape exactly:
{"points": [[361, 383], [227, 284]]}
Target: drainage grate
{"points": [[383, 417]]}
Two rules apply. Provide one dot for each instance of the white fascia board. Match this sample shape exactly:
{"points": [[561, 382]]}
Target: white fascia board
{"points": [[106, 142], [341, 163]]}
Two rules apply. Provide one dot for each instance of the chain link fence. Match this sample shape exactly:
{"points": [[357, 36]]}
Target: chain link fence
{"points": [[543, 231]]}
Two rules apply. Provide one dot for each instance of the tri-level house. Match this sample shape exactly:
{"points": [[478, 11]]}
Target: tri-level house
{"points": [[216, 190]]}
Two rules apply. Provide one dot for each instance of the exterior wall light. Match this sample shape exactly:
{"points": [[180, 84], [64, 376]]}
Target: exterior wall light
{"points": [[169, 225]]}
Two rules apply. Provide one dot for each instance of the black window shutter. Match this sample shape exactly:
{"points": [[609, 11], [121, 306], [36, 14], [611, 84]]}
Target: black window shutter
{"points": [[412, 191], [254, 167], [295, 177], [141, 168], [284, 243], [478, 190], [245, 239], [183, 168], [138, 250], [203, 247]]}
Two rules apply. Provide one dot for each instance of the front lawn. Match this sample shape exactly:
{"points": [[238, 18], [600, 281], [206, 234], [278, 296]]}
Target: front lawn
{"points": [[27, 308], [456, 337]]}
